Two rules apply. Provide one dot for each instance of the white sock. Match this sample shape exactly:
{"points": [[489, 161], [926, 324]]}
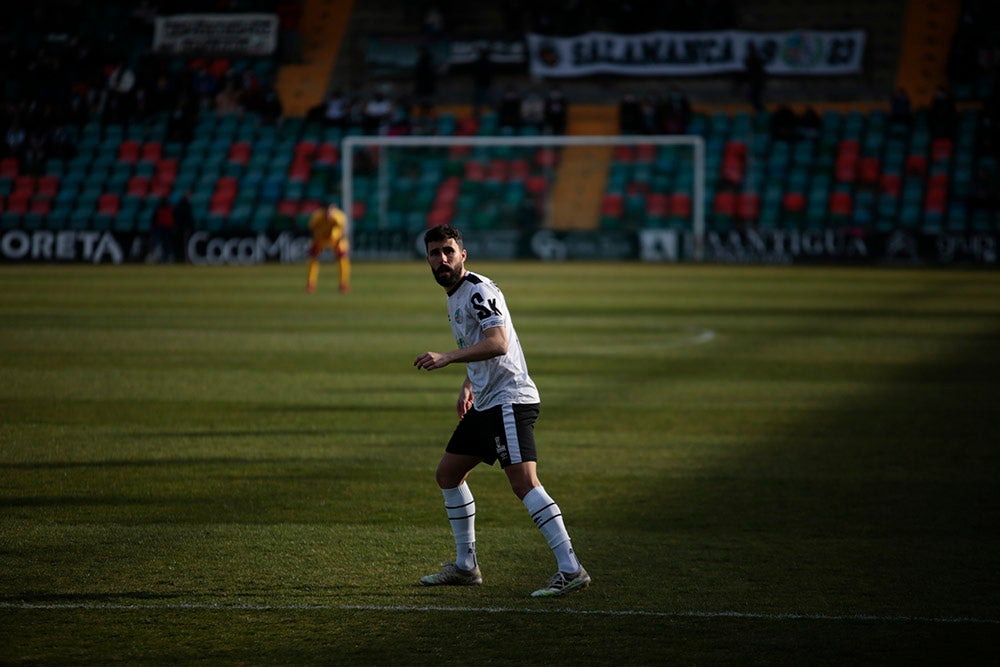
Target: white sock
{"points": [[461, 508], [548, 517]]}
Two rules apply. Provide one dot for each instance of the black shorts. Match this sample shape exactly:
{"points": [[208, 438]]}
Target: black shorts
{"points": [[505, 432]]}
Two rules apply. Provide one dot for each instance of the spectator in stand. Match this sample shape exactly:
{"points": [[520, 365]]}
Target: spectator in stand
{"points": [[377, 112], [533, 111], [227, 100], [900, 111], [509, 114], [425, 81], [647, 115], [784, 124], [482, 96], [985, 193], [184, 224], [629, 115], [182, 119], [943, 115], [120, 94], [271, 108], [755, 73], [674, 113], [810, 124], [15, 140], [205, 88], [556, 112], [335, 111], [163, 233]]}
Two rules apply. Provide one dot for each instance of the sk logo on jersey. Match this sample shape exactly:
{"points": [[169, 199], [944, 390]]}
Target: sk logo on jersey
{"points": [[482, 310]]}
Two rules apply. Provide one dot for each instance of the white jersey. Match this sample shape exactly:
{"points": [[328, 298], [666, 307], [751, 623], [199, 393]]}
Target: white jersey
{"points": [[475, 305]]}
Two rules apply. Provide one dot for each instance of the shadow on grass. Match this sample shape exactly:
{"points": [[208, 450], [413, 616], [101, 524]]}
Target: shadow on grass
{"points": [[884, 503]]}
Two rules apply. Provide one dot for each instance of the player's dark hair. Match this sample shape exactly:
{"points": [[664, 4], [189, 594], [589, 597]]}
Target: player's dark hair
{"points": [[443, 233]]}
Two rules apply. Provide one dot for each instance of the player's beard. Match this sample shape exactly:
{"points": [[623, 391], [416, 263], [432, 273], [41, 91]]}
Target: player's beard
{"points": [[448, 276]]}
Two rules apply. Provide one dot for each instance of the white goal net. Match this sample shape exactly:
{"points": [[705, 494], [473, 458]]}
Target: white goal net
{"points": [[551, 197]]}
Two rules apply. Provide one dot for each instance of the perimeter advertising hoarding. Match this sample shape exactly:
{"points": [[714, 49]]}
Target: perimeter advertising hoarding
{"points": [[654, 245]]}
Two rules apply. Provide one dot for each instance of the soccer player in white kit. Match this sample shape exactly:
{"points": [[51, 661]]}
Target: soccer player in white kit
{"points": [[497, 408]]}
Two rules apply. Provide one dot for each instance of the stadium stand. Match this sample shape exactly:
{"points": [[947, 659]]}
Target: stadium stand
{"points": [[75, 156]]}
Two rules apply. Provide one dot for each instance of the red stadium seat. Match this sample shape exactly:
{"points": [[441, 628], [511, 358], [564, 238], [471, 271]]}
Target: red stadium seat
{"points": [[305, 150], [152, 151], [108, 203], [300, 170], [891, 184], [846, 167], [128, 151], [840, 203], [48, 187], [228, 184], [612, 205], [869, 170], [724, 204], [748, 206], [645, 153], [327, 154], [623, 153], [916, 165], [546, 157], [17, 201], [239, 152], [941, 149], [474, 170], [794, 202], [25, 183], [137, 186], [680, 205], [40, 206], [657, 204]]}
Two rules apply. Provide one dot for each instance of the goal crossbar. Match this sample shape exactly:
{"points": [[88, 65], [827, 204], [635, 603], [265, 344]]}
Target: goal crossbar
{"points": [[696, 142]]}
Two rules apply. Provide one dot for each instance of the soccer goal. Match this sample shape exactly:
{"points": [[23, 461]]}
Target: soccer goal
{"points": [[527, 190]]}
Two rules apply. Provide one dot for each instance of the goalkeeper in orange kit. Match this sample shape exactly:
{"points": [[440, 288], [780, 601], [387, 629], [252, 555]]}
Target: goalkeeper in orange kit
{"points": [[329, 230]]}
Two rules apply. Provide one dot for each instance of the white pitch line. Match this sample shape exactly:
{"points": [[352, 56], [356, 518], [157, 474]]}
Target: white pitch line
{"points": [[239, 606]]}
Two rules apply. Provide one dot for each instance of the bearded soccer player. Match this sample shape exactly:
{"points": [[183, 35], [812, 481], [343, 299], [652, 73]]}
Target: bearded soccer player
{"points": [[329, 230], [497, 408]]}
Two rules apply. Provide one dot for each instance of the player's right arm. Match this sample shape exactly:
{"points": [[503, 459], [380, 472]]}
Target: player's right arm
{"points": [[465, 398]]}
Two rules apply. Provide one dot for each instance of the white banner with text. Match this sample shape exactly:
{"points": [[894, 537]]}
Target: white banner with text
{"points": [[790, 53]]}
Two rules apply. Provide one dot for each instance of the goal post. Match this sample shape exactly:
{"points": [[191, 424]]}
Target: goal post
{"points": [[385, 183]]}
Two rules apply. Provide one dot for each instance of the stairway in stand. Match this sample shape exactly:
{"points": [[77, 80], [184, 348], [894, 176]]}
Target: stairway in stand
{"points": [[323, 25], [583, 170]]}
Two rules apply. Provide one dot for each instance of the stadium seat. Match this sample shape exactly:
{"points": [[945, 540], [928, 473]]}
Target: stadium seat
{"points": [[327, 154], [17, 201], [612, 205], [151, 152], [239, 152], [724, 205], [108, 203], [657, 205], [748, 206], [794, 205], [891, 184], [128, 151], [869, 170], [840, 203], [9, 167], [846, 167], [915, 165]]}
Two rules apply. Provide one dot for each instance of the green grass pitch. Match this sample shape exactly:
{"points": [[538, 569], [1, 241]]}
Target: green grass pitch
{"points": [[757, 465]]}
